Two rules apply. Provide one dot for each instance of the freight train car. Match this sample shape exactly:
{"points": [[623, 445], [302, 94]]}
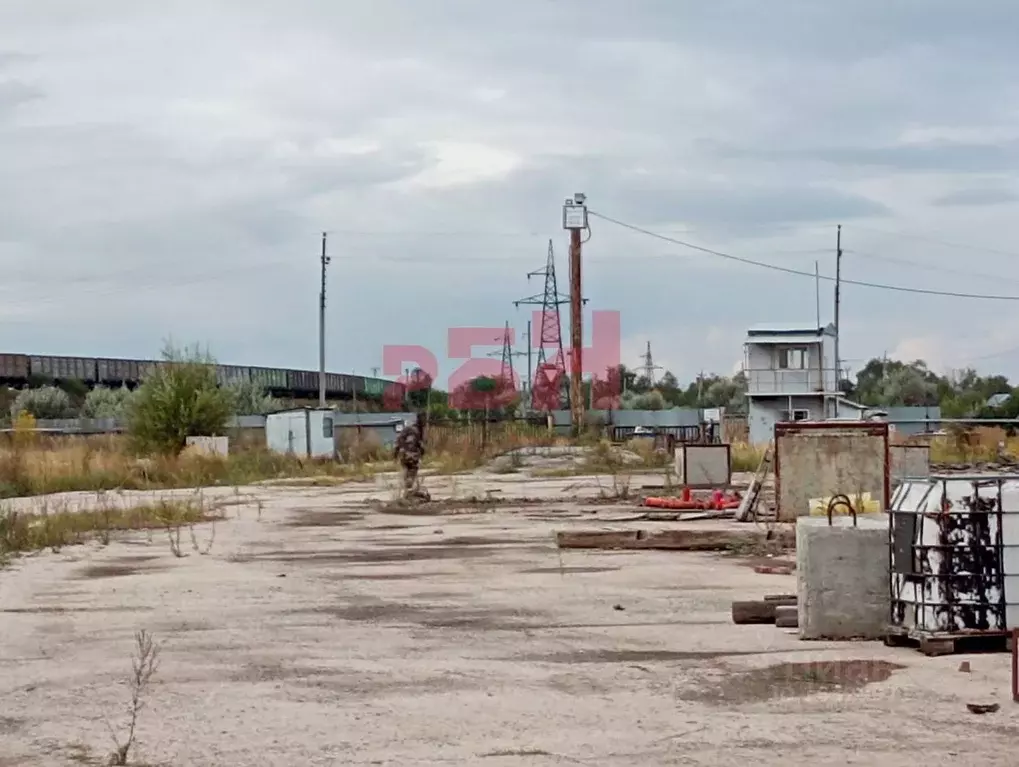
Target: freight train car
{"points": [[270, 379], [112, 372], [227, 375], [63, 368], [14, 368]]}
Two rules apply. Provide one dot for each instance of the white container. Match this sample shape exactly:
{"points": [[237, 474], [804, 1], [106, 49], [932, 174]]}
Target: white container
{"points": [[954, 554]]}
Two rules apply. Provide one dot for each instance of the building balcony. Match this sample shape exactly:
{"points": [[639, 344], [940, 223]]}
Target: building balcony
{"points": [[785, 381]]}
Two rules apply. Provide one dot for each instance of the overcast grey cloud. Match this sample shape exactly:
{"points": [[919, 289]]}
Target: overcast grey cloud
{"points": [[167, 170]]}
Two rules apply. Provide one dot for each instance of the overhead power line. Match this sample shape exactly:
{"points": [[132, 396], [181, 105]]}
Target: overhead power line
{"points": [[799, 272]]}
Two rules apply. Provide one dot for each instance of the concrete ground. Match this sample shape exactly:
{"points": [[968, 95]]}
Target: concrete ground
{"points": [[318, 630]]}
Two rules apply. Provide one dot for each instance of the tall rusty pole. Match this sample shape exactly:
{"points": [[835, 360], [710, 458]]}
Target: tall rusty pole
{"points": [[575, 221]]}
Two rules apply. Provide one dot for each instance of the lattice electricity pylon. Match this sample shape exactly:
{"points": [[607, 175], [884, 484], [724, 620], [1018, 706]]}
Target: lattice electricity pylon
{"points": [[506, 368], [548, 373], [649, 367]]}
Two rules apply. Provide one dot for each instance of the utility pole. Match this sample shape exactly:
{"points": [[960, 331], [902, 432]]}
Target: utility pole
{"points": [[838, 285], [530, 370], [322, 329], [575, 221]]}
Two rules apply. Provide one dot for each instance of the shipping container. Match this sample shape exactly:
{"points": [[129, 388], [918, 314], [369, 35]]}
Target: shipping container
{"points": [[374, 387], [269, 378], [358, 384], [344, 385], [13, 366], [332, 383]]}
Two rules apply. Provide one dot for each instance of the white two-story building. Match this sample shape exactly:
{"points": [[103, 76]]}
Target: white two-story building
{"points": [[791, 376]]}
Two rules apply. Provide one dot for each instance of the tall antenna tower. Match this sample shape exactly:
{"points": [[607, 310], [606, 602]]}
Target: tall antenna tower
{"points": [[550, 369], [649, 367]]}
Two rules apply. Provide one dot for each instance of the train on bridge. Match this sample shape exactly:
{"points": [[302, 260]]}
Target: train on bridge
{"points": [[21, 370]]}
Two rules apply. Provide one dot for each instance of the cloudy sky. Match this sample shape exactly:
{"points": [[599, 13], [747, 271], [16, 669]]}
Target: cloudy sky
{"points": [[166, 169]]}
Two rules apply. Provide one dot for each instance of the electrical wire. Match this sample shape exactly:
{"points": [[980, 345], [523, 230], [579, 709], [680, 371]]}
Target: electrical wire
{"points": [[799, 272]]}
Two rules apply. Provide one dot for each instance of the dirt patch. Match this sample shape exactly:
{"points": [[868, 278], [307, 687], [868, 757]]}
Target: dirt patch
{"points": [[630, 656], [429, 616], [60, 610], [467, 540], [9, 725], [576, 569], [372, 556], [792, 680], [390, 576], [393, 527], [118, 569], [318, 518]]}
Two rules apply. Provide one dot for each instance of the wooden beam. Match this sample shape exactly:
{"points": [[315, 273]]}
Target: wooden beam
{"points": [[758, 611]]}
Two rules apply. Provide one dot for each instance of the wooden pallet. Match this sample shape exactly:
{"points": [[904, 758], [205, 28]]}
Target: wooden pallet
{"points": [[933, 644]]}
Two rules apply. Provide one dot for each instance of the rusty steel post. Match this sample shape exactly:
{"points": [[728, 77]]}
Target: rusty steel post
{"points": [[576, 336]]}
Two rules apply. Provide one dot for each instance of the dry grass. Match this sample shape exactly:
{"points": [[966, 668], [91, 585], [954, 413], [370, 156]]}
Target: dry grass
{"points": [[955, 446], [53, 465], [53, 527], [452, 449]]}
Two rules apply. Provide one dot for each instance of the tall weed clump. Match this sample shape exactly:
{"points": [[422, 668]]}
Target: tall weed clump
{"points": [[177, 400]]}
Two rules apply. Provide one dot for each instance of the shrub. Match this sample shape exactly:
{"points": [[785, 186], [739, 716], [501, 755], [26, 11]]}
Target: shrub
{"points": [[250, 398], [103, 402], [177, 400], [45, 402]]}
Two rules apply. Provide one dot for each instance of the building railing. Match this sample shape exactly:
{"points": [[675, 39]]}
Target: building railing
{"points": [[784, 381]]}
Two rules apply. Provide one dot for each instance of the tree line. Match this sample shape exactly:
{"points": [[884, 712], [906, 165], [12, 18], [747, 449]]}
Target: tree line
{"points": [[881, 382]]}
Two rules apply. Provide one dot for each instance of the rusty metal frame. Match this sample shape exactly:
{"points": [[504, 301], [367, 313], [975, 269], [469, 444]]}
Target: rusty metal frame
{"points": [[871, 428]]}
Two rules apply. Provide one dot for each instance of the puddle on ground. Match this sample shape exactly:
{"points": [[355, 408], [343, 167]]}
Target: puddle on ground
{"points": [[119, 569], [791, 680], [429, 616], [322, 518], [577, 569]]}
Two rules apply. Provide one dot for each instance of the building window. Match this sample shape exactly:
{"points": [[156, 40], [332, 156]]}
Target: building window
{"points": [[327, 427], [792, 359], [796, 415]]}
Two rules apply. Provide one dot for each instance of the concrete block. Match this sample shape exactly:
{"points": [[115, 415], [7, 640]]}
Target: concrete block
{"points": [[208, 445], [842, 577]]}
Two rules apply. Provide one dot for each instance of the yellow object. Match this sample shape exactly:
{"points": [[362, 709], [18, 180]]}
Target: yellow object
{"points": [[864, 504], [24, 428]]}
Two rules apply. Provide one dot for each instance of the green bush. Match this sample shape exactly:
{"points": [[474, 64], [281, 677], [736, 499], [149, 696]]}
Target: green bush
{"points": [[103, 402], [250, 398], [45, 402], [177, 400]]}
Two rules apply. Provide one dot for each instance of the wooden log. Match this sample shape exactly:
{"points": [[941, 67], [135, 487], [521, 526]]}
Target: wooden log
{"points": [[674, 540], [787, 616], [758, 611]]}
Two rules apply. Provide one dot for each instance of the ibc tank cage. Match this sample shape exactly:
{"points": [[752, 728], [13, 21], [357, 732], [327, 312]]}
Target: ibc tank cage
{"points": [[954, 555]]}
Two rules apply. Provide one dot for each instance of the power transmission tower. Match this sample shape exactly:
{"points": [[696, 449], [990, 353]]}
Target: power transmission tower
{"points": [[550, 365], [649, 366], [506, 371], [322, 328]]}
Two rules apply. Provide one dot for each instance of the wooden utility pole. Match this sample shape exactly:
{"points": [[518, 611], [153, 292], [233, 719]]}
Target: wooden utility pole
{"points": [[838, 285], [576, 335], [575, 221]]}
